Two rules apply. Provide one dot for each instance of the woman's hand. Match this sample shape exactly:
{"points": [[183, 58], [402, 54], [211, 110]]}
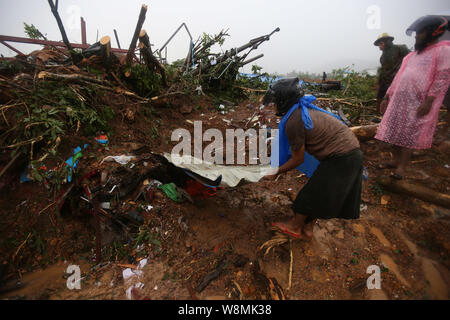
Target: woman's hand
{"points": [[271, 174], [425, 107]]}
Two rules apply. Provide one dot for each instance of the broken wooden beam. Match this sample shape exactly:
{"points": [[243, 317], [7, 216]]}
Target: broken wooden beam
{"points": [[57, 44], [70, 77], [252, 59], [417, 191], [117, 39], [365, 133], [136, 33], [11, 47], [60, 24]]}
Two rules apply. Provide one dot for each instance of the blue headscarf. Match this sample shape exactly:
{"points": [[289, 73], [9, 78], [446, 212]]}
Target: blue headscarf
{"points": [[281, 143]]}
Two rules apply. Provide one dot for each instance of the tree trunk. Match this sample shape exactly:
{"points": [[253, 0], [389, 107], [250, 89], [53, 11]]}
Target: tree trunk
{"points": [[417, 191], [105, 42], [364, 133], [150, 60], [136, 33]]}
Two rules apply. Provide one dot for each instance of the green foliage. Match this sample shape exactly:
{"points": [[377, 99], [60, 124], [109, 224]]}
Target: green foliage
{"points": [[31, 31], [143, 81], [11, 67], [357, 85], [65, 112], [256, 69], [303, 75], [54, 110], [174, 68], [146, 237], [376, 189]]}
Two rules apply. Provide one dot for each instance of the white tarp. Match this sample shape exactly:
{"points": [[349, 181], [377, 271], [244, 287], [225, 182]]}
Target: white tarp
{"points": [[231, 175]]}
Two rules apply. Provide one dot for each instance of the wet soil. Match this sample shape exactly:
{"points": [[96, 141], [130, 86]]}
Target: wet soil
{"points": [[407, 238]]}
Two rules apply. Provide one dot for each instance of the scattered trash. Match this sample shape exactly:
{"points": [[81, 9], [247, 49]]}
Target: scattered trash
{"points": [[122, 159], [365, 174], [142, 264], [102, 139], [148, 208], [362, 207], [196, 189], [25, 176], [129, 291], [129, 273], [72, 162], [170, 190]]}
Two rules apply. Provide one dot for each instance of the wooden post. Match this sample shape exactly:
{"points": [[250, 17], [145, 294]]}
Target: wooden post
{"points": [[136, 33], [83, 31], [417, 191], [60, 24], [105, 42], [117, 39]]}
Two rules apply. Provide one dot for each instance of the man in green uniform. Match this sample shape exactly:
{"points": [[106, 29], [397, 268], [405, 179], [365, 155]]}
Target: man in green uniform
{"points": [[390, 60]]}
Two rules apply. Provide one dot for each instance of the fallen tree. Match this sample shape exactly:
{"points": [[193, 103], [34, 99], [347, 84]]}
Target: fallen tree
{"points": [[364, 133], [150, 60], [417, 191]]}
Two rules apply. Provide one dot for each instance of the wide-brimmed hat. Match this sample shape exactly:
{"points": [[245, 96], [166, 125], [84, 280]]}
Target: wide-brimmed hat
{"points": [[382, 37]]}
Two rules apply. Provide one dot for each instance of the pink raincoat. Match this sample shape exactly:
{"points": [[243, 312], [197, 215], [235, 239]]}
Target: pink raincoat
{"points": [[421, 75]]}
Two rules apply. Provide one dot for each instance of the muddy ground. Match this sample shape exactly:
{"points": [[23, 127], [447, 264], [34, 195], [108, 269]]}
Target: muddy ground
{"points": [[407, 238]]}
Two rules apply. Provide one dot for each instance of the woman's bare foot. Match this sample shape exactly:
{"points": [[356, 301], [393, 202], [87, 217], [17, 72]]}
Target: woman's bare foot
{"points": [[291, 227]]}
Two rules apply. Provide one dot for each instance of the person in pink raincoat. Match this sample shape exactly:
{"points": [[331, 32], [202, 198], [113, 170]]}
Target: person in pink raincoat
{"points": [[412, 102]]}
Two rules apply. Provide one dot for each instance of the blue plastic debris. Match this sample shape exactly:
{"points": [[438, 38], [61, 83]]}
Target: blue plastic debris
{"points": [[365, 174], [72, 162], [25, 177]]}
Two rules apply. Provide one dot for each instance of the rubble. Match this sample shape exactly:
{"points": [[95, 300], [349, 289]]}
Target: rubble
{"points": [[98, 182]]}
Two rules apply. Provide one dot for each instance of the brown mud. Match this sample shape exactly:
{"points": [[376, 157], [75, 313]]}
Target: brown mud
{"points": [[407, 238]]}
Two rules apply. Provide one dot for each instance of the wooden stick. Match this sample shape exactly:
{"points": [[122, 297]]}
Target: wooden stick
{"points": [[166, 95], [417, 191], [4, 118], [250, 89], [71, 77], [292, 262], [9, 163], [23, 143], [136, 33], [364, 133], [60, 24], [117, 39], [20, 247], [131, 266]]}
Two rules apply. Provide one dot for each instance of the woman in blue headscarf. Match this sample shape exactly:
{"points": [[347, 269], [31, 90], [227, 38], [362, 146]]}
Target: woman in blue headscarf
{"points": [[317, 143]]}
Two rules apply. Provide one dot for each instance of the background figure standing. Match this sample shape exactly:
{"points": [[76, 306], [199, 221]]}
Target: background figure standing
{"points": [[390, 60], [413, 100]]}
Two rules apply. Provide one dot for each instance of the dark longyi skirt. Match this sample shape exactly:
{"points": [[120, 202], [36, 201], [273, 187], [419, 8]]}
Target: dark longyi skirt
{"points": [[334, 190]]}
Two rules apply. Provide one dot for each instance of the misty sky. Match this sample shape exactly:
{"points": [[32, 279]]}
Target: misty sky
{"points": [[315, 36]]}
